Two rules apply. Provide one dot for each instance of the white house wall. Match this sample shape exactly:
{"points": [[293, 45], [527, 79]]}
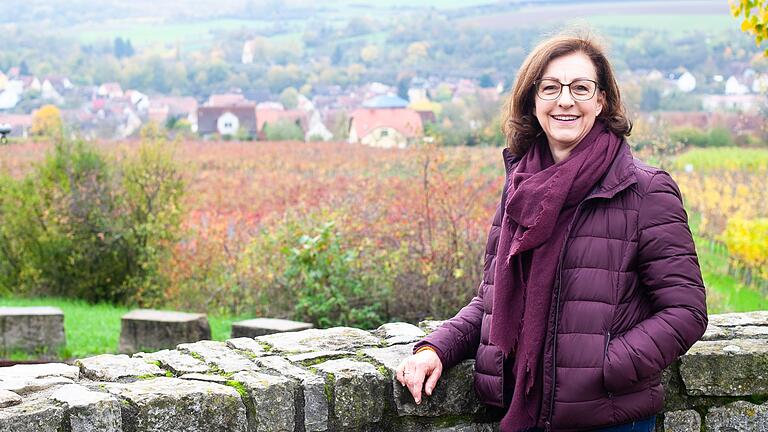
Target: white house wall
{"points": [[384, 137]]}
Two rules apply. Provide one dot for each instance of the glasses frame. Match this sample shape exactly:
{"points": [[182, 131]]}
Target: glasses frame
{"points": [[559, 93]]}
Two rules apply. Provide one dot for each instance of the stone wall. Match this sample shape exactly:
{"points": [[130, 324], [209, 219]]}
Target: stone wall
{"points": [[341, 379]]}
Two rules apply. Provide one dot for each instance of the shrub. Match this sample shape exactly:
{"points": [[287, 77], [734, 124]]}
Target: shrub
{"points": [[690, 136], [80, 225], [715, 137], [720, 137], [283, 130], [747, 242], [330, 289]]}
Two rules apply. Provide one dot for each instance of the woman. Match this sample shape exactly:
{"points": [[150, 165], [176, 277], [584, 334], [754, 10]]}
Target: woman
{"points": [[592, 284]]}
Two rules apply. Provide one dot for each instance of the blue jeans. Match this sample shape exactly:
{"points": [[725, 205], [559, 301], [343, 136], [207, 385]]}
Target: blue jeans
{"points": [[644, 425]]}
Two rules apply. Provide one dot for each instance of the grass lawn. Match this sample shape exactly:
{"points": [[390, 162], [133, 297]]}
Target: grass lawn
{"points": [[93, 329], [724, 292]]}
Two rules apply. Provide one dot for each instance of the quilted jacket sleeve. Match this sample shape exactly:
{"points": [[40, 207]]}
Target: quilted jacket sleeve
{"points": [[668, 269], [459, 337]]}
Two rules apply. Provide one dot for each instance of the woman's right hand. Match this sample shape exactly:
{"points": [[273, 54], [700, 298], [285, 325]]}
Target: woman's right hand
{"points": [[414, 369]]}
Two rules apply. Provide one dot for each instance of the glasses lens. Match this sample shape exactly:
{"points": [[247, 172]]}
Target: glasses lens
{"points": [[548, 89], [582, 89]]}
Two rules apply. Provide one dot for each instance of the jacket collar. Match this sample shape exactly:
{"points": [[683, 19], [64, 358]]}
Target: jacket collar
{"points": [[620, 174]]}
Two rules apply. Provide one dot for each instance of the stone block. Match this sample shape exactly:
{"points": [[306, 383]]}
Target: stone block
{"points": [[9, 398], [682, 421], [218, 379], [151, 330], [454, 394], [219, 356], [737, 367], [756, 318], [177, 362], [89, 411], [452, 424], [117, 368], [332, 339], [430, 325], [746, 331], [356, 390], [23, 386], [265, 326], [318, 356], [42, 370], [176, 405], [37, 331], [271, 401], [737, 416], [25, 379], [249, 346], [399, 333], [311, 402], [35, 413]]}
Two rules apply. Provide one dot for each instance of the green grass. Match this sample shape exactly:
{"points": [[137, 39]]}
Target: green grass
{"points": [[725, 293], [93, 329], [723, 158], [143, 31]]}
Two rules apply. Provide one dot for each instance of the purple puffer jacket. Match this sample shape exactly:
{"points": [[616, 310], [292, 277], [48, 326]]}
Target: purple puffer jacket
{"points": [[628, 300]]}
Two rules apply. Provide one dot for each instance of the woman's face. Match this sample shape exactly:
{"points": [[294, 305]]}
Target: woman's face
{"points": [[566, 121]]}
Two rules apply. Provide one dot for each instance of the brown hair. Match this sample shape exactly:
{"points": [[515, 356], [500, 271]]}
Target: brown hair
{"points": [[520, 126]]}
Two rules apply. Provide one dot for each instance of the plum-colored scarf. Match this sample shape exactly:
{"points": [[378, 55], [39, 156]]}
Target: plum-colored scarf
{"points": [[541, 202]]}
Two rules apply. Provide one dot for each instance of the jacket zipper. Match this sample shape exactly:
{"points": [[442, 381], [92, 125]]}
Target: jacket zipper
{"points": [[559, 283], [548, 423]]}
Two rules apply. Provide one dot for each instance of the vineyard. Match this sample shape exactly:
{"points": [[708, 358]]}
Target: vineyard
{"points": [[728, 190], [340, 234]]}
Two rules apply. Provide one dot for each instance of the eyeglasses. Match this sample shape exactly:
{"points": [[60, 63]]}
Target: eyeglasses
{"points": [[581, 90]]}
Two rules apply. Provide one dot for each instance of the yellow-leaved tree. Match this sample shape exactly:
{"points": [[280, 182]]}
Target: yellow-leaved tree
{"points": [[47, 122], [755, 18]]}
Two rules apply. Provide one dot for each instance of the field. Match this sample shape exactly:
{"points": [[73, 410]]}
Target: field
{"points": [[677, 17], [146, 31]]}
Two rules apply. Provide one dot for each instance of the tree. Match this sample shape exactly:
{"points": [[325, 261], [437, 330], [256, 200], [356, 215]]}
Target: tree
{"points": [[402, 87], [128, 50], [289, 98], [755, 13], [486, 81], [338, 55], [370, 53], [47, 122], [283, 130]]}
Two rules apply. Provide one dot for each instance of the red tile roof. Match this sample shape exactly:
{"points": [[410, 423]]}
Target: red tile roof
{"points": [[229, 99], [17, 119], [404, 120]]}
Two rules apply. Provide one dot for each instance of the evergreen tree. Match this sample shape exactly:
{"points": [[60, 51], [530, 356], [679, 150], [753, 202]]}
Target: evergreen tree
{"points": [[485, 81], [338, 55], [402, 87], [128, 48], [119, 47]]}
